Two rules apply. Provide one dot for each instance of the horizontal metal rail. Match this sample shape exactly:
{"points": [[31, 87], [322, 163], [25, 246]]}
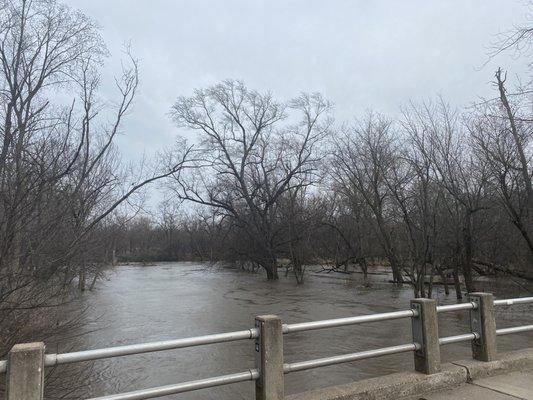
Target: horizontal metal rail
{"points": [[322, 362], [118, 351], [250, 375], [456, 307], [331, 323], [88, 355], [510, 302], [514, 329], [465, 337]]}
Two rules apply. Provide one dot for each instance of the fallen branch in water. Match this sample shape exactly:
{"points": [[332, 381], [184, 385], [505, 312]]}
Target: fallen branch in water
{"points": [[487, 268]]}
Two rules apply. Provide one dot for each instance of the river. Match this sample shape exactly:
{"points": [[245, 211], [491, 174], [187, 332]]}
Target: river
{"points": [[138, 304]]}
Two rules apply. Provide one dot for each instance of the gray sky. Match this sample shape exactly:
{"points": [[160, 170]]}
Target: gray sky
{"points": [[360, 54]]}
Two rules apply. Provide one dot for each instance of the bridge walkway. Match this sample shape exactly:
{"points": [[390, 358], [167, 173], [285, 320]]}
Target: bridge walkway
{"points": [[511, 386]]}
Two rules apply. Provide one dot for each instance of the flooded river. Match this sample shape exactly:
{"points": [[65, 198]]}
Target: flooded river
{"points": [[175, 300]]}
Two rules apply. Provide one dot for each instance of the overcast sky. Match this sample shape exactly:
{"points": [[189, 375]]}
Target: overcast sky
{"points": [[360, 54]]}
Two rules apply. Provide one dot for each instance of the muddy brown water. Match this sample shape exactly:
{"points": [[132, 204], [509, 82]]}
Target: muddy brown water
{"points": [[137, 304]]}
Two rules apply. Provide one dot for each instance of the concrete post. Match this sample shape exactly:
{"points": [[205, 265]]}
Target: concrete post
{"points": [[25, 372], [483, 323], [426, 334], [269, 358]]}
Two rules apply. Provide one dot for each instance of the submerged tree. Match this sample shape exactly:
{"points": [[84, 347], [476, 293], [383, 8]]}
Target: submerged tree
{"points": [[363, 158], [253, 152]]}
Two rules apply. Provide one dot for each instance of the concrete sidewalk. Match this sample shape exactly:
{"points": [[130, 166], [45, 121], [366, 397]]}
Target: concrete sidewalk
{"points": [[509, 377], [515, 385]]}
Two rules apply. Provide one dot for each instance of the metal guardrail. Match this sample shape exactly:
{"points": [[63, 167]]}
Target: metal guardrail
{"points": [[118, 351], [333, 323], [269, 345], [512, 302], [323, 362], [250, 375]]}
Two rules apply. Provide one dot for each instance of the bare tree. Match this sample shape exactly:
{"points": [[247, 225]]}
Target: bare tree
{"points": [[420, 197], [503, 136], [249, 159], [60, 178], [363, 157], [517, 39], [462, 176]]}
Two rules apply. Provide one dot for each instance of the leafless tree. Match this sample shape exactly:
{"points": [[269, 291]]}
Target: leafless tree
{"points": [[517, 39], [462, 176], [420, 197], [503, 135], [60, 178], [250, 158], [363, 157]]}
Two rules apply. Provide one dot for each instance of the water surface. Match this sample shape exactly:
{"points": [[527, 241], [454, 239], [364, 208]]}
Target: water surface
{"points": [[174, 300]]}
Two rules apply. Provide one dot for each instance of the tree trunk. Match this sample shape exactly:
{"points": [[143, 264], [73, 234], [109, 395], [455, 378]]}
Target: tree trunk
{"points": [[524, 163], [364, 267], [468, 254], [299, 272], [457, 283], [430, 285], [272, 272], [421, 281], [93, 283], [396, 272], [444, 281], [275, 275], [388, 247]]}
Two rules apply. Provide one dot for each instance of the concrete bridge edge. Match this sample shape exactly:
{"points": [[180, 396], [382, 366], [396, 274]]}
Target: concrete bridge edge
{"points": [[403, 384]]}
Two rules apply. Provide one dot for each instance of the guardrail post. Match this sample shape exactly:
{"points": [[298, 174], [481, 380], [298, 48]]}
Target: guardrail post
{"points": [[269, 358], [483, 323], [426, 334], [25, 372]]}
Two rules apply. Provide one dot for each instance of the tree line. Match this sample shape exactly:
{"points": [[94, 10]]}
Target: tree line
{"points": [[436, 192]]}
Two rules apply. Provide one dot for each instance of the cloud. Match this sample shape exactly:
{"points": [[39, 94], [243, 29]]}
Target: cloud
{"points": [[359, 54]]}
